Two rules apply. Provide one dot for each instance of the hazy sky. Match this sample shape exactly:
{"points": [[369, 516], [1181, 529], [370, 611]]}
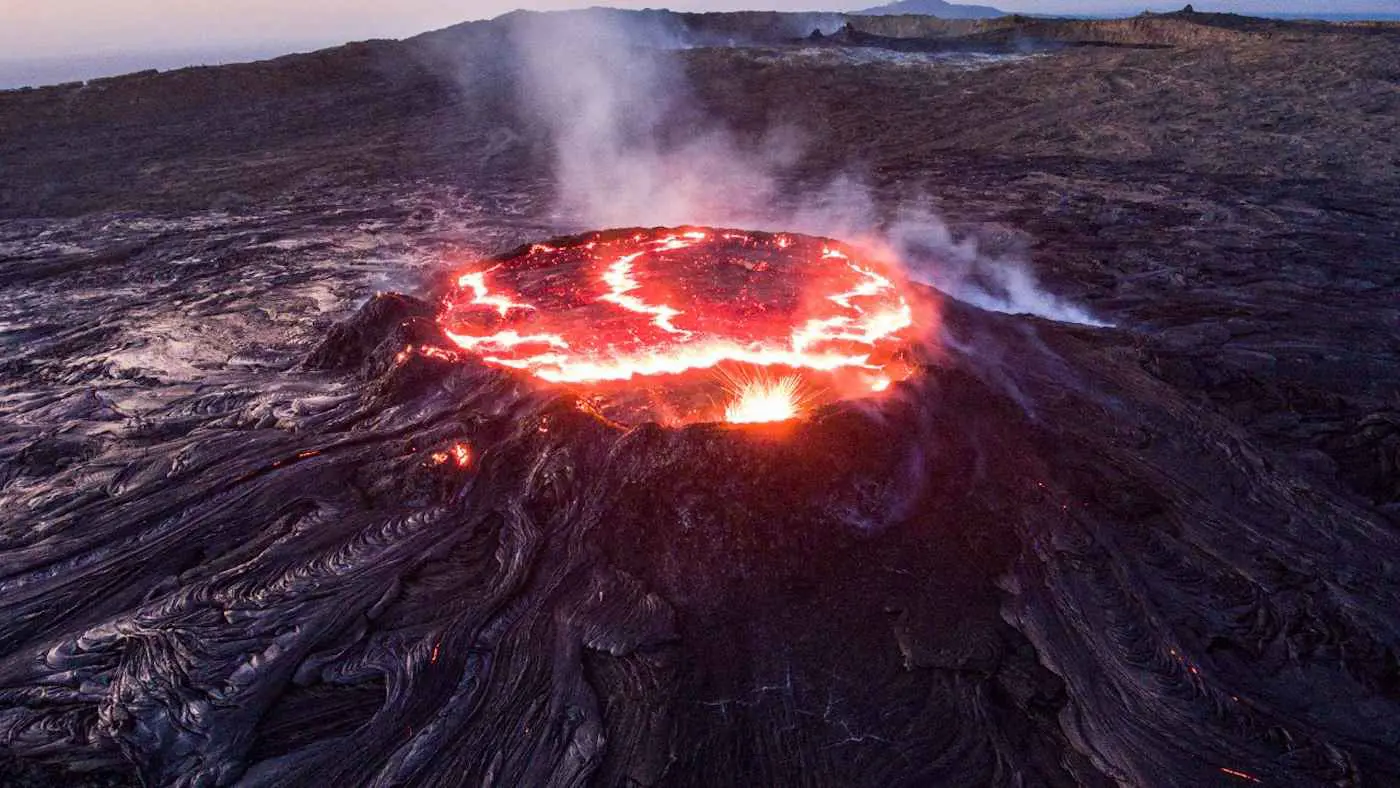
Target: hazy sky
{"points": [[54, 28]]}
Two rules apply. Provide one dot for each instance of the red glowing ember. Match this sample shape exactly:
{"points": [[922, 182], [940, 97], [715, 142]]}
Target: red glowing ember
{"points": [[458, 453], [657, 323]]}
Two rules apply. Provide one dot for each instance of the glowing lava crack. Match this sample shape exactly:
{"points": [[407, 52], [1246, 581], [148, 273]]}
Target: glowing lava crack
{"points": [[650, 324]]}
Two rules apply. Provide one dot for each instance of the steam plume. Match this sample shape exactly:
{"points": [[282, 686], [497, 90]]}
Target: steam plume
{"points": [[632, 147], [934, 256]]}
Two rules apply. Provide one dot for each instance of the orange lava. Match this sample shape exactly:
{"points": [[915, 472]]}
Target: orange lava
{"points": [[459, 454], [667, 310], [761, 401]]}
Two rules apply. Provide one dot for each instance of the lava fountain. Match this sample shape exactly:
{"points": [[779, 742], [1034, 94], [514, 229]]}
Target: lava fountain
{"points": [[683, 325], [765, 400]]}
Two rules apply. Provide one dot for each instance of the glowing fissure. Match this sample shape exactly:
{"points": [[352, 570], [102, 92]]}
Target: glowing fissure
{"points": [[505, 340], [604, 309], [482, 296], [619, 279], [561, 368]]}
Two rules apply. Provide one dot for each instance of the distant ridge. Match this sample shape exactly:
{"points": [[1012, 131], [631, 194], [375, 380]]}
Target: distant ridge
{"points": [[938, 8]]}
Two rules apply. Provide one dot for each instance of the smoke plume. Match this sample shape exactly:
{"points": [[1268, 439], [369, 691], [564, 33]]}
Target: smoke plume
{"points": [[630, 144], [933, 255], [632, 147]]}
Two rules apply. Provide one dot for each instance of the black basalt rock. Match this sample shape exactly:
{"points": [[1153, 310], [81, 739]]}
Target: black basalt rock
{"points": [[919, 590]]}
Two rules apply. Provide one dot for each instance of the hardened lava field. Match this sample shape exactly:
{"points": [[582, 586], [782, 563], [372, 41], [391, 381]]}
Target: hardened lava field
{"points": [[682, 325]]}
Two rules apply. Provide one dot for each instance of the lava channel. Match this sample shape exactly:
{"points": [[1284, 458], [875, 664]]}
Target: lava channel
{"points": [[691, 324]]}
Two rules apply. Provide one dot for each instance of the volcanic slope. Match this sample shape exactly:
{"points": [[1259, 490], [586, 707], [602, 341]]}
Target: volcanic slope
{"points": [[247, 538]]}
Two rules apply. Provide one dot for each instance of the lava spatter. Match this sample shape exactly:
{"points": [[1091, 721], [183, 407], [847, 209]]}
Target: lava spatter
{"points": [[764, 400], [649, 318]]}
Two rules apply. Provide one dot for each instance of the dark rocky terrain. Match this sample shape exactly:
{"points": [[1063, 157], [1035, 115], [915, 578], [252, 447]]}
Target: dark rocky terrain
{"points": [[1158, 552]]}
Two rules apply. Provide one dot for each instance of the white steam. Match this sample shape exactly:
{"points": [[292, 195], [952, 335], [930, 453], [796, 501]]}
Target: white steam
{"points": [[933, 255], [632, 148]]}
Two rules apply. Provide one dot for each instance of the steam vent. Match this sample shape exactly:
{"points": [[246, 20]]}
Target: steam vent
{"points": [[638, 399]]}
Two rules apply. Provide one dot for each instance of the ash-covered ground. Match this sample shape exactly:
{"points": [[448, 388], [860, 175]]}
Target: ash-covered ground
{"points": [[1135, 522]]}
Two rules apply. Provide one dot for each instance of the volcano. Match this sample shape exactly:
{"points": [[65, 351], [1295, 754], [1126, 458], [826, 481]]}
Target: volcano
{"points": [[462, 569], [339, 447]]}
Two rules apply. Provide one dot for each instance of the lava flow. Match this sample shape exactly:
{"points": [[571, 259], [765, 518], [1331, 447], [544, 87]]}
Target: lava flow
{"points": [[657, 324]]}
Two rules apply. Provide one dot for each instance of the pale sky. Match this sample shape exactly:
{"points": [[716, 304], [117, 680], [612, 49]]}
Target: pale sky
{"points": [[66, 28]]}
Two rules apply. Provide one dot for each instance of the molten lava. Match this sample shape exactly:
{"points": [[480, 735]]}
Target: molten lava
{"points": [[646, 322], [761, 401], [459, 453]]}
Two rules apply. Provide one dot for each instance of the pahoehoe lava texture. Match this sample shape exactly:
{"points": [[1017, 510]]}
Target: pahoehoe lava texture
{"points": [[1162, 553], [1031, 563]]}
